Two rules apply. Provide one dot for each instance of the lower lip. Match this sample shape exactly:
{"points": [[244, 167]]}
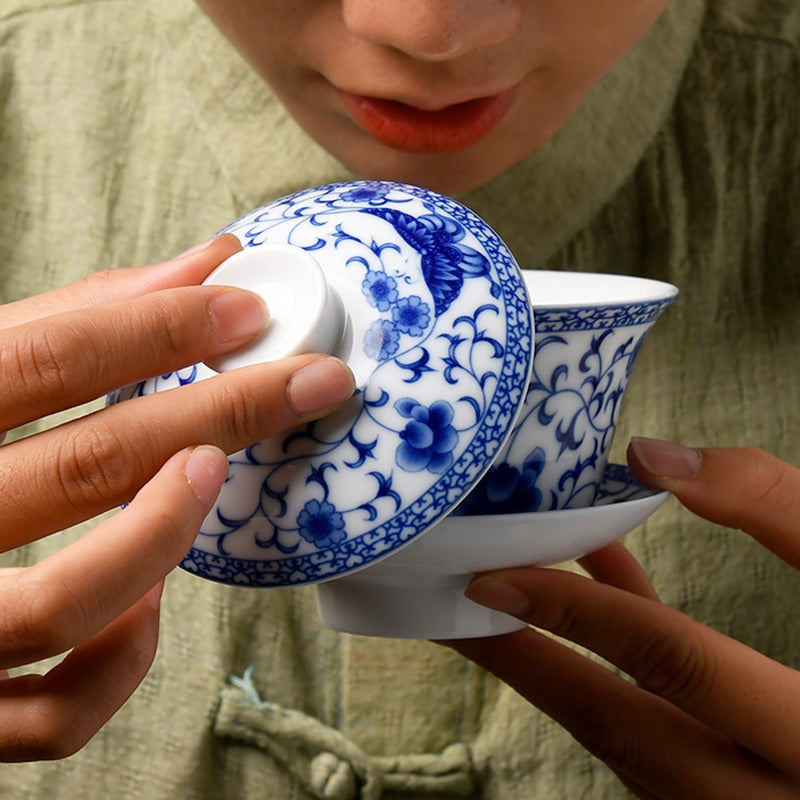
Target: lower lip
{"points": [[415, 130]]}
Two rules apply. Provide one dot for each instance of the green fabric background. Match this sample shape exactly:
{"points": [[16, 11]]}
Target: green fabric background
{"points": [[130, 130]]}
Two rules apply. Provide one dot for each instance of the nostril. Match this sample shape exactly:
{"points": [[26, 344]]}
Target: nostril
{"points": [[417, 29]]}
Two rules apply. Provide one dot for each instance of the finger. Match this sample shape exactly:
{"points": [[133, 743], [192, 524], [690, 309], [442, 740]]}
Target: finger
{"points": [[742, 488], [71, 595], [115, 285], [657, 749], [616, 566], [722, 683], [65, 475], [54, 715], [67, 359]]}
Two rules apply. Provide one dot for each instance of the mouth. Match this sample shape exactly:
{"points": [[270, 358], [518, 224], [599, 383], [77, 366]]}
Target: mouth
{"points": [[416, 130]]}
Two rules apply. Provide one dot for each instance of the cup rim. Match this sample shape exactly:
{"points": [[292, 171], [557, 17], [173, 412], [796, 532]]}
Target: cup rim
{"points": [[562, 289]]}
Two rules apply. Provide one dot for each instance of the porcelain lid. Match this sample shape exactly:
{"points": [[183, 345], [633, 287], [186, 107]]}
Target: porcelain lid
{"points": [[428, 307]]}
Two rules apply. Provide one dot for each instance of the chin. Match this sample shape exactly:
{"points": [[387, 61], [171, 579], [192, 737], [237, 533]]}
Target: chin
{"points": [[449, 173]]}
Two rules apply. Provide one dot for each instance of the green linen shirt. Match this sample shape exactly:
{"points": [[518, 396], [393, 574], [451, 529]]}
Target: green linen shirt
{"points": [[129, 129]]}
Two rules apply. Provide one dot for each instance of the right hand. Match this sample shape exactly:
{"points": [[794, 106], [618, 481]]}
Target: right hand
{"points": [[164, 454], [687, 712]]}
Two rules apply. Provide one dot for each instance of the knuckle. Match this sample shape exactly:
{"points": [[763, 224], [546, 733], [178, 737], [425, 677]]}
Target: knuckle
{"points": [[95, 468], [32, 361], [677, 668], [34, 622], [97, 284], [568, 621], [242, 413], [770, 479], [41, 362], [167, 319], [174, 534]]}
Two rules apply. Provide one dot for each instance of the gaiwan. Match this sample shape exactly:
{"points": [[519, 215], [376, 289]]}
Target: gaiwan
{"points": [[428, 307]]}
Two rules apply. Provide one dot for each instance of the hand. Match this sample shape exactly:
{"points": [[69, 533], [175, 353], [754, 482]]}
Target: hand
{"points": [[707, 717], [98, 597]]}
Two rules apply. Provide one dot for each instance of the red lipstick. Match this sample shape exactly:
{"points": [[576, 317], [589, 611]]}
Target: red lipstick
{"points": [[416, 130]]}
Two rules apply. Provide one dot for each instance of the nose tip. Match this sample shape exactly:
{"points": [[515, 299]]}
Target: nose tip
{"points": [[432, 30]]}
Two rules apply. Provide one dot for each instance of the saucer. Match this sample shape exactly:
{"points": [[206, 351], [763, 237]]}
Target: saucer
{"points": [[418, 592]]}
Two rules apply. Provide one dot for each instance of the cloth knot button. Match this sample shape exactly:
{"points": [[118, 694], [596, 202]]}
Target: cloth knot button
{"points": [[325, 762]]}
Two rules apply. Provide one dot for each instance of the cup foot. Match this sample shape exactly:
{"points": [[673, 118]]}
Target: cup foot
{"points": [[431, 608]]}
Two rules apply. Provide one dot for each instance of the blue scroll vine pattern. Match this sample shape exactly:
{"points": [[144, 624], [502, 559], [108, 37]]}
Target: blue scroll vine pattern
{"points": [[580, 415], [426, 433]]}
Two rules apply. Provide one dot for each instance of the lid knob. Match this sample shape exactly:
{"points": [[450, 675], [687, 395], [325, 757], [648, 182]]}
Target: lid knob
{"points": [[306, 314]]}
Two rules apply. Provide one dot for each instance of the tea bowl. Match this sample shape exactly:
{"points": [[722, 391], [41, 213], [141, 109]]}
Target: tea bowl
{"points": [[431, 312], [590, 328]]}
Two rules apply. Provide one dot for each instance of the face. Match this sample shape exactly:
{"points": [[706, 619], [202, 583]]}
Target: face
{"points": [[443, 93]]}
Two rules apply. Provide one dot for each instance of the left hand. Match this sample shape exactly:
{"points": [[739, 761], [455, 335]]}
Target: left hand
{"points": [[95, 600], [707, 717]]}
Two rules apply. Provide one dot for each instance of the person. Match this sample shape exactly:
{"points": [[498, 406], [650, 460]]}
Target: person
{"points": [[655, 138]]}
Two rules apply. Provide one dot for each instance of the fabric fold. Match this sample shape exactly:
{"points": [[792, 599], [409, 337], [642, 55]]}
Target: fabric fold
{"points": [[328, 764]]}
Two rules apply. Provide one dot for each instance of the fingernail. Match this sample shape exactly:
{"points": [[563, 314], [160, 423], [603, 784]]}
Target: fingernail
{"points": [[323, 383], [206, 470], [497, 594], [153, 597], [665, 459], [237, 314]]}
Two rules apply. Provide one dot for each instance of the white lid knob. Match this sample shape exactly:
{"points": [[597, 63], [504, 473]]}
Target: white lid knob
{"points": [[306, 315]]}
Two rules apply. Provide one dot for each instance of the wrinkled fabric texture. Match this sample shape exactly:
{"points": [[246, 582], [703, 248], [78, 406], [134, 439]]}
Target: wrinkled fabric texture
{"points": [[129, 130], [328, 764]]}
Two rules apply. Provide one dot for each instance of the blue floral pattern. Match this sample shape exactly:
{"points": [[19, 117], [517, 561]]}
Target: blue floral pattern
{"points": [[411, 315], [574, 401], [381, 340], [429, 437], [380, 289], [321, 524], [506, 489], [432, 295]]}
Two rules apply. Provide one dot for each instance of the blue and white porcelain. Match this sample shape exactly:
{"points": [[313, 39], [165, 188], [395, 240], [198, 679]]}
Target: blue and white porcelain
{"points": [[589, 330], [418, 592], [430, 310]]}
